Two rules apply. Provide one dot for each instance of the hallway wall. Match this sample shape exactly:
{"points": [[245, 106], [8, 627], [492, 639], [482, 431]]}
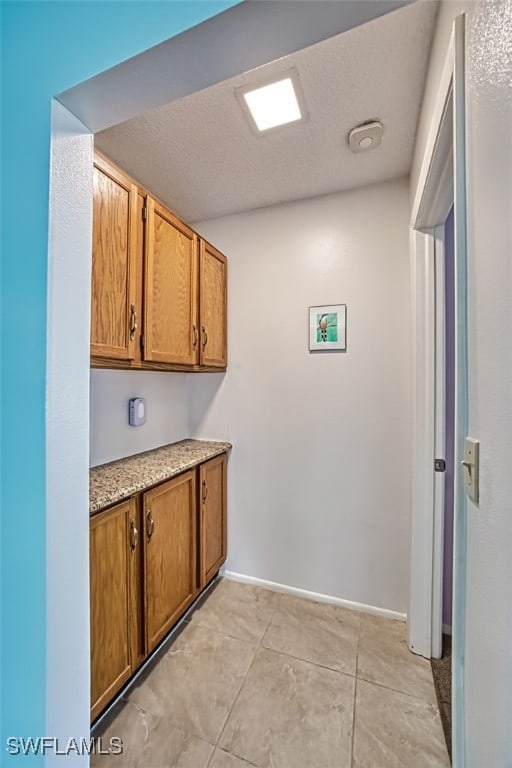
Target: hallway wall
{"points": [[488, 600], [319, 473]]}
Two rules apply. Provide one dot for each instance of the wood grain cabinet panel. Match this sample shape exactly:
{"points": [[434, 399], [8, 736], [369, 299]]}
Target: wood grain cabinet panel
{"points": [[213, 306], [149, 558], [137, 633], [171, 333], [159, 292], [212, 517], [113, 310], [169, 554], [112, 534]]}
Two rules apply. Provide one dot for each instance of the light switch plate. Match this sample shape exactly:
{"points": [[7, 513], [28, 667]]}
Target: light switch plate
{"points": [[471, 464]]}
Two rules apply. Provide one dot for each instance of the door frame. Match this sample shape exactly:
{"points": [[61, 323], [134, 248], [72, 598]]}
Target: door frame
{"points": [[441, 182], [432, 202]]}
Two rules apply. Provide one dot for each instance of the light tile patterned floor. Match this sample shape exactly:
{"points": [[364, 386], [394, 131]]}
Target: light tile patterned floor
{"points": [[267, 680]]}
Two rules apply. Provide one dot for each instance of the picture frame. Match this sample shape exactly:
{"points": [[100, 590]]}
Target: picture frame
{"points": [[328, 328]]}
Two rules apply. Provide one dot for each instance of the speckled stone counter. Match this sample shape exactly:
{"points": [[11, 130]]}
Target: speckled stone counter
{"points": [[113, 482]]}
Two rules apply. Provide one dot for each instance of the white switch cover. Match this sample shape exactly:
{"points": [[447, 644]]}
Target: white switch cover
{"points": [[137, 411], [471, 464]]}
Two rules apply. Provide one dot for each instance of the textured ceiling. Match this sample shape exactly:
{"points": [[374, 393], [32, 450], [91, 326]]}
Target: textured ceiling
{"points": [[200, 156]]}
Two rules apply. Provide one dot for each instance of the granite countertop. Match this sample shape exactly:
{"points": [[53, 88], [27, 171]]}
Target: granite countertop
{"points": [[113, 482]]}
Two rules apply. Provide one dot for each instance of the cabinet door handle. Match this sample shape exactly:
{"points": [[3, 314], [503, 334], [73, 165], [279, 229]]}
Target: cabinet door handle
{"points": [[134, 535], [133, 322], [196, 336], [205, 336], [205, 491], [150, 524]]}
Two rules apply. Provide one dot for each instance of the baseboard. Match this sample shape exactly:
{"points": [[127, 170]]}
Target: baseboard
{"points": [[320, 598]]}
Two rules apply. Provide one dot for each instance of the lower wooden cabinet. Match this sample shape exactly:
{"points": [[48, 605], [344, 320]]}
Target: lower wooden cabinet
{"points": [[111, 592], [169, 554], [150, 556], [213, 517]]}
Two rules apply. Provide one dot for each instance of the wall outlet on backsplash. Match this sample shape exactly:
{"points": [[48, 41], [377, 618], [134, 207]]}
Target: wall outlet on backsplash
{"points": [[137, 411]]}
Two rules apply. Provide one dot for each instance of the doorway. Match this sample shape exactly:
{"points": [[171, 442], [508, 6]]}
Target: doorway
{"points": [[444, 460], [449, 449], [442, 183], [198, 59]]}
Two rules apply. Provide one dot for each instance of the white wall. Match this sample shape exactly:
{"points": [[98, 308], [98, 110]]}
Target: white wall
{"points": [[67, 430], [319, 473], [485, 655], [448, 10], [488, 654], [111, 437]]}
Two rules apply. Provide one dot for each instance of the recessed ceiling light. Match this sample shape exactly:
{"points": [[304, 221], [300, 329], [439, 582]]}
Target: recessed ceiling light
{"points": [[273, 103]]}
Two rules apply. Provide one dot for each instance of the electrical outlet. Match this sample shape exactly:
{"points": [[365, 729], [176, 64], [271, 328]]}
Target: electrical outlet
{"points": [[137, 411]]}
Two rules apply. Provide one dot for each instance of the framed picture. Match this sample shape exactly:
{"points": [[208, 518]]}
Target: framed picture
{"points": [[328, 327]]}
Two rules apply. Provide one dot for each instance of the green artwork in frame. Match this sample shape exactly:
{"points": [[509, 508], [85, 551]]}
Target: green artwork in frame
{"points": [[327, 328]]}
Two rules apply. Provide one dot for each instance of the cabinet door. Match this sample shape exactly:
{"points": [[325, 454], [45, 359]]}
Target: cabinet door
{"points": [[213, 518], [113, 310], [169, 554], [170, 328], [213, 306], [112, 547]]}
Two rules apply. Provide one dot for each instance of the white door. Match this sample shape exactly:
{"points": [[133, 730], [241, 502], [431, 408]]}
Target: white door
{"points": [[439, 459], [425, 616], [433, 201]]}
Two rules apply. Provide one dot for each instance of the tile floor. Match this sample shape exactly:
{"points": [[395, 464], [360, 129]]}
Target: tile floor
{"points": [[262, 679]]}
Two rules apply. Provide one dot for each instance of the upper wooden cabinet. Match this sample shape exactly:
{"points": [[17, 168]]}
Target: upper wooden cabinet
{"points": [[170, 313], [159, 292], [213, 306], [114, 313]]}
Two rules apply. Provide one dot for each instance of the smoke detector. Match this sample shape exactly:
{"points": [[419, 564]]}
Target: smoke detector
{"points": [[367, 136]]}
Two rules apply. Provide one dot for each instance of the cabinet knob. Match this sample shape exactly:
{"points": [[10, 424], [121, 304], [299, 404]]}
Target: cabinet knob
{"points": [[205, 336], [205, 491], [133, 322], [196, 336], [150, 524], [134, 535]]}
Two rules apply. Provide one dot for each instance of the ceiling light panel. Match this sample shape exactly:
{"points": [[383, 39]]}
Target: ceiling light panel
{"points": [[274, 103]]}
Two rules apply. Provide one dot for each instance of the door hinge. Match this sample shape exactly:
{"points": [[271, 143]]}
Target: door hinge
{"points": [[439, 465], [144, 213]]}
